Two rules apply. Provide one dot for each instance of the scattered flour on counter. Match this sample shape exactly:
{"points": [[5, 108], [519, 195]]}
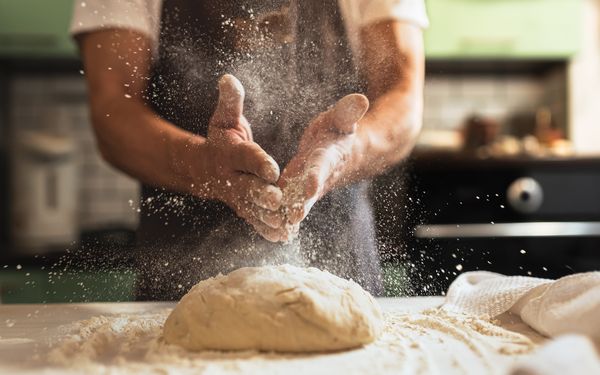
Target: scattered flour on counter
{"points": [[108, 339], [430, 342]]}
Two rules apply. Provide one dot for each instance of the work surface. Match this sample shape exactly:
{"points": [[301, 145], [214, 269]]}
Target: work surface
{"points": [[125, 338]]}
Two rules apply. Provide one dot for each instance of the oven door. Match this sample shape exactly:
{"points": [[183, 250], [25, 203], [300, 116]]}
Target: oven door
{"points": [[517, 217], [539, 249]]}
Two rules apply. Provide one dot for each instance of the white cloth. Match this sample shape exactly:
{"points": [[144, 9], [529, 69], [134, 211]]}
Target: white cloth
{"points": [[569, 354], [488, 294], [144, 15], [569, 305]]}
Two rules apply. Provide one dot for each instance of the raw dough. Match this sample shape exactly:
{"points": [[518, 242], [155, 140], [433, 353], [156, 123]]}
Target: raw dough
{"points": [[275, 308]]}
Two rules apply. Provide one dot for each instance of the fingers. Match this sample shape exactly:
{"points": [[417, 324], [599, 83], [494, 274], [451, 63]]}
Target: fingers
{"points": [[268, 198], [271, 234], [285, 233], [258, 192], [322, 167], [299, 211], [269, 224], [249, 157], [347, 112], [231, 102], [258, 200], [259, 204], [273, 219]]}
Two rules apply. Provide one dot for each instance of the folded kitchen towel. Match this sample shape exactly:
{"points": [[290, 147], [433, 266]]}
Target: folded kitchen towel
{"points": [[569, 354], [552, 307]]}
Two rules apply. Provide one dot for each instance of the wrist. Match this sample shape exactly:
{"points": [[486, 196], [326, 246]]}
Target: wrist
{"points": [[188, 156]]}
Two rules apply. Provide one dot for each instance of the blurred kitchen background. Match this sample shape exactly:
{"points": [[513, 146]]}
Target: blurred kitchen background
{"points": [[505, 177]]}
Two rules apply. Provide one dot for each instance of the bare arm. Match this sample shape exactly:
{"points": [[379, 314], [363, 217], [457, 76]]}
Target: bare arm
{"points": [[226, 165], [392, 58], [129, 134], [351, 142]]}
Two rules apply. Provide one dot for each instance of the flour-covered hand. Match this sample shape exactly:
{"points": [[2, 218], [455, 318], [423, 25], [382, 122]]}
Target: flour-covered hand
{"points": [[239, 172], [324, 157]]}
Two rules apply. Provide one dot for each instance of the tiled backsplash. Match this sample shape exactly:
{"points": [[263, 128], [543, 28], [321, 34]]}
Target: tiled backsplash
{"points": [[451, 98], [58, 104]]}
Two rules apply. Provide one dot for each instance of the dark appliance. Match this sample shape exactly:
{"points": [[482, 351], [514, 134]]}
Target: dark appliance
{"points": [[516, 216]]}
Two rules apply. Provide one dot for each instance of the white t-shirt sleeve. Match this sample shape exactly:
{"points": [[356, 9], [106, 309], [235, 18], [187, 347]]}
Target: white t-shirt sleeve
{"points": [[359, 13], [144, 15], [139, 15]]}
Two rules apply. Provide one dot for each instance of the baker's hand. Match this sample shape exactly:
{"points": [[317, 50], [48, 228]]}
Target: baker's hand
{"points": [[325, 150], [240, 173]]}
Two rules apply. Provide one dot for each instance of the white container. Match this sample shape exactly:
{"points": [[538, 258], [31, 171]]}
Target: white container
{"points": [[44, 191]]}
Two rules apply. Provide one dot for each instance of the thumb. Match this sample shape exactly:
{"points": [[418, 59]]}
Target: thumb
{"points": [[231, 100], [348, 111]]}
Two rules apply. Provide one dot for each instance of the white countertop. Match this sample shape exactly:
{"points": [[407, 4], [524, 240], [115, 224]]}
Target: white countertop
{"points": [[29, 332], [39, 321]]}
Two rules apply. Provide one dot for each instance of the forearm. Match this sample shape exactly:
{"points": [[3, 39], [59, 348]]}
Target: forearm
{"points": [[137, 141], [393, 61], [130, 135], [387, 133]]}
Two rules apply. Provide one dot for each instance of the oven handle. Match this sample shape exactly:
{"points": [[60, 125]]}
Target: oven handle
{"points": [[528, 229]]}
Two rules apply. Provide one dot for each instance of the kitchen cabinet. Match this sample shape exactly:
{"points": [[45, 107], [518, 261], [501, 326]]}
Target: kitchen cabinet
{"points": [[36, 28], [510, 29]]}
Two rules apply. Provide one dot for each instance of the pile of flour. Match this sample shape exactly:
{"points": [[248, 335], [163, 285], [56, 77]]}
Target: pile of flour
{"points": [[429, 342]]}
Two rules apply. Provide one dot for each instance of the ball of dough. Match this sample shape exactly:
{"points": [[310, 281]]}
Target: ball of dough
{"points": [[275, 308]]}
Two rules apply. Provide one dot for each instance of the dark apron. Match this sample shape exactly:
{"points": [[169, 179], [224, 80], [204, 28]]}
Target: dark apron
{"points": [[294, 62]]}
